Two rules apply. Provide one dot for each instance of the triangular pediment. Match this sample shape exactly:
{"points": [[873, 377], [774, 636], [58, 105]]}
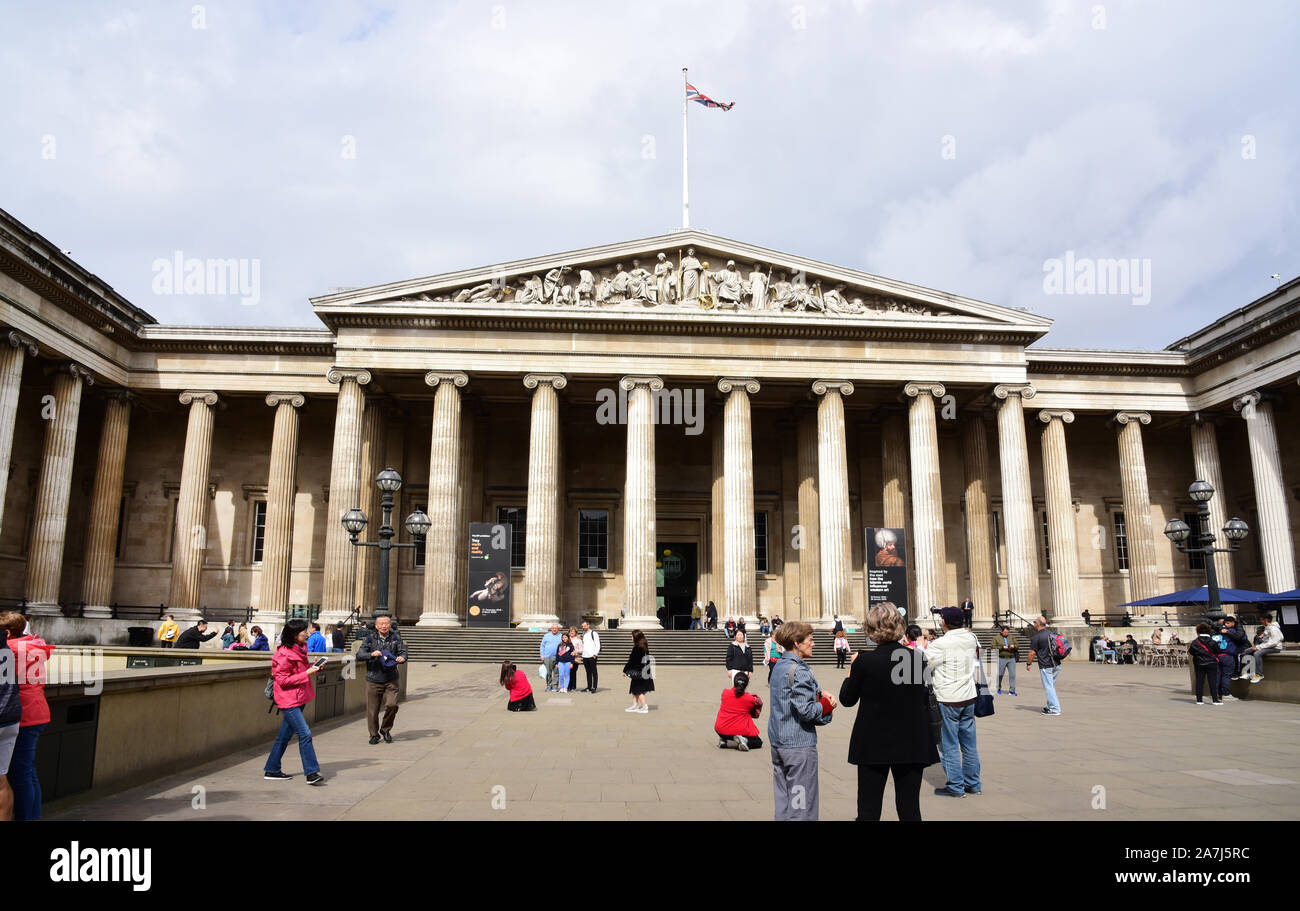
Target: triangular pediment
{"points": [[687, 273]]}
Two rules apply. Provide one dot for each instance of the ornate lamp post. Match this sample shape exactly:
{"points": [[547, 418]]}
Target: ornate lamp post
{"points": [[1202, 542], [417, 526]]}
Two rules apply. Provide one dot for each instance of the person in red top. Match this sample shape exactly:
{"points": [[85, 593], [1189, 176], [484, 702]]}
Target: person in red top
{"points": [[30, 656], [292, 688], [735, 722], [521, 691]]}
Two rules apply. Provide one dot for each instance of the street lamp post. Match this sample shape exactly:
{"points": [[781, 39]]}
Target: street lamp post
{"points": [[417, 526], [1202, 542]]}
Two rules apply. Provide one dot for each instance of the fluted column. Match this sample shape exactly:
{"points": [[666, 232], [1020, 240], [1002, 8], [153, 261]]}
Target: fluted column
{"points": [[281, 485], [927, 498], [439, 606], [1017, 501], [1062, 542], [374, 428], [718, 514], [1270, 492], [979, 526], [810, 552], [106, 508], [190, 541], [1144, 580], [896, 495], [738, 482], [340, 585], [542, 541], [467, 433], [1205, 457], [639, 503], [833, 501], [13, 351], [50, 520]]}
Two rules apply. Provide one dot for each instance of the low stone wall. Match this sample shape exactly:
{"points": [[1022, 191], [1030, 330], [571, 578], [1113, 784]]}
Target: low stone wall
{"points": [[1281, 681], [158, 721]]}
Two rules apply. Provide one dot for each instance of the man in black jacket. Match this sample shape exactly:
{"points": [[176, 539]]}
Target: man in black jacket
{"points": [[194, 635], [383, 650]]}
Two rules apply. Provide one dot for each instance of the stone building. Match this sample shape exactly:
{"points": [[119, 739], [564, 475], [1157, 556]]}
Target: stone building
{"points": [[735, 414]]}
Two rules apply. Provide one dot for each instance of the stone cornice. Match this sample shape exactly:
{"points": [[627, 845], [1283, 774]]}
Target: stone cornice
{"points": [[233, 340], [1074, 361]]}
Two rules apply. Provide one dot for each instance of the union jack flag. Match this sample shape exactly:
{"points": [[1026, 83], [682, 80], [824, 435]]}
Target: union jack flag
{"points": [[694, 94]]}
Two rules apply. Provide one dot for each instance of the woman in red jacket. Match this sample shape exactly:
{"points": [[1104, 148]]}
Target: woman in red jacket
{"points": [[735, 722], [521, 691], [30, 656], [292, 688]]}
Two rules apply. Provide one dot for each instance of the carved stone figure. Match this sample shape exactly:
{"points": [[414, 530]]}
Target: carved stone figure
{"points": [[640, 284], [663, 280], [757, 288], [728, 284], [689, 280], [835, 302], [781, 292], [551, 286], [586, 287], [531, 292], [619, 286]]}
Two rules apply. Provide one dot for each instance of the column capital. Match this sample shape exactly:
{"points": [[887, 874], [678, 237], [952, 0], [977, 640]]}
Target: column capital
{"points": [[727, 383], [17, 340], [844, 387], [1128, 417], [1026, 391], [456, 378], [125, 396], [76, 371], [337, 375], [914, 389], [1245, 405], [1202, 419], [556, 381], [191, 395], [628, 383], [1047, 415], [296, 399]]}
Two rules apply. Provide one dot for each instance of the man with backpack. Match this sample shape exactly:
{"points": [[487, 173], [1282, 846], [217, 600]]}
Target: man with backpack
{"points": [[1050, 649]]}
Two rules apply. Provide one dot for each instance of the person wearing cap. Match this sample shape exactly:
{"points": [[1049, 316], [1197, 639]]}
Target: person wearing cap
{"points": [[382, 650], [735, 722], [951, 660]]}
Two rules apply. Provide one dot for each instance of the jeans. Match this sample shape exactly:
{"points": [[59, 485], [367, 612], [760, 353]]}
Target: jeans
{"points": [[22, 774], [1049, 687], [794, 783], [1004, 665], [1227, 665], [961, 758], [292, 723], [552, 676], [696, 624], [564, 667]]}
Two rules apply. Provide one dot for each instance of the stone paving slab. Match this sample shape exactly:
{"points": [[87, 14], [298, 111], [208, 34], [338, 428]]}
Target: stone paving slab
{"points": [[1128, 734]]}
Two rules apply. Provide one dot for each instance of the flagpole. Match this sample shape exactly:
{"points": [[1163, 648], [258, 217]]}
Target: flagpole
{"points": [[686, 197]]}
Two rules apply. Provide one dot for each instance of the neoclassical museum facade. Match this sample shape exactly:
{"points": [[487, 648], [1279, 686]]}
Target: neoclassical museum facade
{"points": [[739, 413]]}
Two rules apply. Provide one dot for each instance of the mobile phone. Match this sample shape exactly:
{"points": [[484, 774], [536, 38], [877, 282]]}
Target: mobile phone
{"points": [[320, 663]]}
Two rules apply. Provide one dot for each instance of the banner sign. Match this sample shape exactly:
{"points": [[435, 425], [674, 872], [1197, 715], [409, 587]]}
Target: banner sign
{"points": [[886, 567], [489, 575]]}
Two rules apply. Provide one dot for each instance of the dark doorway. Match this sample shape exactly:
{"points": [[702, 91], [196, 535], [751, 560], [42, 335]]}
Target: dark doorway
{"points": [[677, 573]]}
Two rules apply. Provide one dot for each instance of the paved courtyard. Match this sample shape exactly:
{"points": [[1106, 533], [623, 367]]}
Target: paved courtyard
{"points": [[1131, 731]]}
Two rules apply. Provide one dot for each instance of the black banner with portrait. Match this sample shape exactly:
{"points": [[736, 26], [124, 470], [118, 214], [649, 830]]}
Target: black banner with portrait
{"points": [[489, 575], [886, 552]]}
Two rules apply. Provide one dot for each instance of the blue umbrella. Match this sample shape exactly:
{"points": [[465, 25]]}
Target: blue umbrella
{"points": [[1194, 596], [1292, 595]]}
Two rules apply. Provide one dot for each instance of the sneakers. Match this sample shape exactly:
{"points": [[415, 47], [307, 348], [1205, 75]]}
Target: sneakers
{"points": [[387, 735], [631, 708], [276, 776], [723, 743], [315, 778], [1047, 711], [742, 744], [1257, 678], [999, 692], [1216, 703], [970, 793], [374, 740], [1013, 692], [1227, 696], [643, 710], [944, 792], [1199, 702]]}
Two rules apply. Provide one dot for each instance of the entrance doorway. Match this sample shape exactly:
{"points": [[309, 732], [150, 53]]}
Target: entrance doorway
{"points": [[677, 575]]}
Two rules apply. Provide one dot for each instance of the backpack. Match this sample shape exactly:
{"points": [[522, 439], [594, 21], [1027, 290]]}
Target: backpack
{"points": [[1060, 646], [269, 692]]}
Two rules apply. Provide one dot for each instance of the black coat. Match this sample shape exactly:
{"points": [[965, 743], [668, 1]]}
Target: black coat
{"points": [[893, 722], [192, 637], [739, 659]]}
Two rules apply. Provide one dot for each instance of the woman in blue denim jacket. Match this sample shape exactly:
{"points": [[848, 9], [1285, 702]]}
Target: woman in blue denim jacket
{"points": [[799, 705]]}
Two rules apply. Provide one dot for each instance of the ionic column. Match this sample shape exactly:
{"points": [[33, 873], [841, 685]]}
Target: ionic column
{"points": [[13, 351], [639, 504], [896, 497], [542, 540], [927, 498], [979, 526], [106, 507], [467, 419], [374, 428], [439, 606], [1062, 543], [1144, 580], [50, 521], [810, 552], [833, 501], [738, 482], [190, 543], [1017, 500], [718, 514], [340, 585], [1270, 492], [281, 485], [1205, 457]]}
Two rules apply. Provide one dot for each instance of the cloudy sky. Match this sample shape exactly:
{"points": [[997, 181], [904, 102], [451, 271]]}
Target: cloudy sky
{"points": [[959, 145]]}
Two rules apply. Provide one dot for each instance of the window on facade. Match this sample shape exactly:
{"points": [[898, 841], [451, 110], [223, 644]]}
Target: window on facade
{"points": [[515, 516], [760, 542], [259, 530], [171, 537], [593, 539], [1047, 549], [997, 542], [417, 552], [1193, 520], [121, 529], [1121, 542]]}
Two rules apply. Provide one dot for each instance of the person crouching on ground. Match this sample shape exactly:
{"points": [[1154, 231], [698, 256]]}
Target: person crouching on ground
{"points": [[735, 722], [521, 691], [293, 687], [799, 706], [1205, 656]]}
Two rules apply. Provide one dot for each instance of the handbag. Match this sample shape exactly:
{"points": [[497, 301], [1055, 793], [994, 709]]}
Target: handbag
{"points": [[936, 717], [983, 698]]}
